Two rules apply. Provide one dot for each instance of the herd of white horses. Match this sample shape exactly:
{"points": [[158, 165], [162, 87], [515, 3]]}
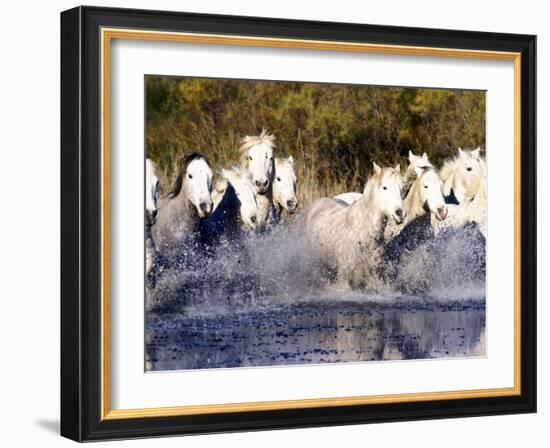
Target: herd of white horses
{"points": [[349, 232]]}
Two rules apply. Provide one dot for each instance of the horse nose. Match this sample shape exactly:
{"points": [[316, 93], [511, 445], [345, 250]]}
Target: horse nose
{"points": [[262, 183], [291, 204], [399, 213], [154, 213], [442, 212], [253, 219], [205, 207]]}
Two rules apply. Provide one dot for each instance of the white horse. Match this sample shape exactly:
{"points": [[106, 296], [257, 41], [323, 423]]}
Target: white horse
{"points": [[415, 163], [426, 196], [462, 175], [152, 186], [188, 202], [284, 186], [151, 197], [350, 238], [417, 166], [425, 205], [424, 202], [465, 176], [257, 158], [424, 192], [470, 210], [236, 212]]}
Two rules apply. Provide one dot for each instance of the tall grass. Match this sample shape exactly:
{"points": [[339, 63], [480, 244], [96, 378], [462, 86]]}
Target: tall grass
{"points": [[334, 132]]}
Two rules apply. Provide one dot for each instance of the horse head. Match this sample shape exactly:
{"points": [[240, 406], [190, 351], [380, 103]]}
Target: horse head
{"points": [[257, 159], [387, 185], [245, 194], [468, 173], [429, 191], [417, 164], [194, 182], [284, 184]]}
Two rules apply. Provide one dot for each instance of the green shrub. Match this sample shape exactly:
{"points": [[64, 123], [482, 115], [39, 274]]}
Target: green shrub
{"points": [[334, 131]]}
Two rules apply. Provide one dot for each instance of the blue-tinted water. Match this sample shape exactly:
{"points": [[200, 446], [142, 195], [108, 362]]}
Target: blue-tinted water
{"points": [[266, 301], [315, 332]]}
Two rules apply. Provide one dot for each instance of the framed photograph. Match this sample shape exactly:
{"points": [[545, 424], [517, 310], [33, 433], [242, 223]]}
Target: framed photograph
{"points": [[277, 224]]}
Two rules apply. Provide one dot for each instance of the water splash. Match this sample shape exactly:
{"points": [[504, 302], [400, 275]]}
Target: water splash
{"points": [[276, 268]]}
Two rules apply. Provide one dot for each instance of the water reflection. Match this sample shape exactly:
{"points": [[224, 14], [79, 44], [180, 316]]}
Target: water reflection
{"points": [[313, 333]]}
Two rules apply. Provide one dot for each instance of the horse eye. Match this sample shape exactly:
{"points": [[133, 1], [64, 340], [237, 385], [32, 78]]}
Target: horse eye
{"points": [[278, 179], [190, 176], [384, 187], [425, 186], [249, 157]]}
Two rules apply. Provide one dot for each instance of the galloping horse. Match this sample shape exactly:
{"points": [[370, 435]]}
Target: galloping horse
{"points": [[188, 202], [350, 239], [465, 177], [462, 175], [236, 212], [284, 186], [256, 154]]}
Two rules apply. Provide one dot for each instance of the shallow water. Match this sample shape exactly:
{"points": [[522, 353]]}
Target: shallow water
{"points": [[315, 332], [265, 300]]}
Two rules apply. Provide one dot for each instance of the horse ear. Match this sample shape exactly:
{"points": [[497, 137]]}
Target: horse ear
{"points": [[411, 155], [398, 169], [460, 152], [425, 156], [291, 160], [377, 169], [475, 152]]}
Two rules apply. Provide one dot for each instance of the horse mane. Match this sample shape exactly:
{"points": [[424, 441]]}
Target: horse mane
{"points": [[183, 164], [412, 177], [448, 169], [249, 141], [234, 171], [222, 178], [283, 161], [450, 166], [376, 179]]}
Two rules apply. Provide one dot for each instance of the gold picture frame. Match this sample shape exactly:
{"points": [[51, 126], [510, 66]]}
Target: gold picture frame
{"points": [[108, 31]]}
